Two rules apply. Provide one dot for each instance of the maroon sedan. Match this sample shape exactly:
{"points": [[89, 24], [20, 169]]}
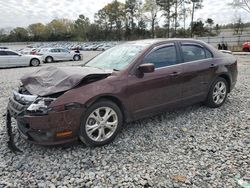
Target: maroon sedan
{"points": [[127, 82]]}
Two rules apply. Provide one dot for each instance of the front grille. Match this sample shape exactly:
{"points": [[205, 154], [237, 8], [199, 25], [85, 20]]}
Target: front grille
{"points": [[16, 108]]}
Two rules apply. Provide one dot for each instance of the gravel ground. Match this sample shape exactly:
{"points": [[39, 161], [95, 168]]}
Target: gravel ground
{"points": [[192, 147]]}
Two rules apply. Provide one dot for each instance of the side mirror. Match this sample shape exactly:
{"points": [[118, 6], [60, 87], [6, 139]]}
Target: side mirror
{"points": [[146, 68]]}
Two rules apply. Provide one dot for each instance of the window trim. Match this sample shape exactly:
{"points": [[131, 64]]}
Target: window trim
{"points": [[159, 47], [194, 44]]}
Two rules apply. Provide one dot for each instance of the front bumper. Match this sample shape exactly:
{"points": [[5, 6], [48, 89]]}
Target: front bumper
{"points": [[44, 129]]}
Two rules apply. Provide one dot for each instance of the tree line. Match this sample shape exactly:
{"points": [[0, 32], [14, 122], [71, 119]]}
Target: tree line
{"points": [[134, 19]]}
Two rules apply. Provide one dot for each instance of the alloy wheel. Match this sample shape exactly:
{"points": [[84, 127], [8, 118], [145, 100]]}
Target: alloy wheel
{"points": [[219, 92], [101, 124]]}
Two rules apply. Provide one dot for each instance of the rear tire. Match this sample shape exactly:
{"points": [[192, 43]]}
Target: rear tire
{"points": [[34, 62], [246, 50], [217, 93], [100, 123], [76, 58], [49, 59]]}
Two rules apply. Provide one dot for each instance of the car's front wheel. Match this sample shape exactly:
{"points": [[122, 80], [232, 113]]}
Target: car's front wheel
{"points": [[217, 93], [34, 62], [100, 123], [49, 59]]}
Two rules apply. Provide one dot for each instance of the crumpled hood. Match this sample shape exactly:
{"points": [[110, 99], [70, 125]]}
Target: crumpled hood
{"points": [[50, 80]]}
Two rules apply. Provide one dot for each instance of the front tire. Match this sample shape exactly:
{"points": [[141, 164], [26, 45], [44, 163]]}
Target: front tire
{"points": [[34, 62], [100, 123], [217, 93], [49, 59]]}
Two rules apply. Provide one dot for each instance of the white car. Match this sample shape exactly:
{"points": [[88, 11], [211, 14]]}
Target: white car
{"points": [[9, 58], [58, 54]]}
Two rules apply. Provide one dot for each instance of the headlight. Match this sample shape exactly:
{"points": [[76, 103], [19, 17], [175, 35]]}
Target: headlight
{"points": [[40, 105]]}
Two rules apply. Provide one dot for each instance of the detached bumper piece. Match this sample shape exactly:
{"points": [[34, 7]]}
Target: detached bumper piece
{"points": [[11, 145]]}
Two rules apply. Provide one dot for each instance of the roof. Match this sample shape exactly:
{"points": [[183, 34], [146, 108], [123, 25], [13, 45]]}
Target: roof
{"points": [[159, 40]]}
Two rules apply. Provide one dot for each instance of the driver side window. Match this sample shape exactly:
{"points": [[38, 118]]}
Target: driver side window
{"points": [[162, 57]]}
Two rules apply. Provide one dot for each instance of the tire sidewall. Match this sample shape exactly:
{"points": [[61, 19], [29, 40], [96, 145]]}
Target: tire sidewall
{"points": [[210, 102], [32, 63], [102, 103], [49, 58], [76, 56]]}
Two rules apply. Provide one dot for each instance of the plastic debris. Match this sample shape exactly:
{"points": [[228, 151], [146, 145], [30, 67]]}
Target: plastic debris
{"points": [[242, 182]]}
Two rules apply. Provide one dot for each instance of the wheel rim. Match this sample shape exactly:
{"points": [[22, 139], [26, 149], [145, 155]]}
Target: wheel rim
{"points": [[76, 58], [219, 92], [34, 62], [49, 59], [101, 124]]}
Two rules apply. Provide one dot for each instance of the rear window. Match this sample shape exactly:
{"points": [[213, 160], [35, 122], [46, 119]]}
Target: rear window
{"points": [[192, 52]]}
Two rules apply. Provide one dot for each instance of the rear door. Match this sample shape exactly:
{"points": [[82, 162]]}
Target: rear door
{"points": [[159, 90], [198, 71], [65, 54]]}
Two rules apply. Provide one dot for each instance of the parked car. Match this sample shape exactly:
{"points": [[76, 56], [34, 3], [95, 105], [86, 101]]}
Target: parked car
{"points": [[10, 58], [50, 55], [125, 83], [27, 51], [3, 47], [246, 47]]}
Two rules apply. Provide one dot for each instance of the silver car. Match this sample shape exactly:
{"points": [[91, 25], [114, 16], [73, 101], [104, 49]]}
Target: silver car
{"points": [[9, 58], [58, 54]]}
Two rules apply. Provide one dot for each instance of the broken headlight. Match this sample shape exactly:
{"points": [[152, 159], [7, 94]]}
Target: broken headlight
{"points": [[40, 105]]}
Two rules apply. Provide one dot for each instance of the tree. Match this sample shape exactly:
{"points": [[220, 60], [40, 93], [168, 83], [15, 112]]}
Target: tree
{"points": [[131, 9], [243, 4], [197, 4], [152, 9], [19, 34], [60, 29], [81, 26], [210, 22], [37, 31], [217, 29], [198, 28], [238, 27], [166, 6]]}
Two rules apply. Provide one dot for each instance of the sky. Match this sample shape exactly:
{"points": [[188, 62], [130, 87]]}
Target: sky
{"points": [[21, 13]]}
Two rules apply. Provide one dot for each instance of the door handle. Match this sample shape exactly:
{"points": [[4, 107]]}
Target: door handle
{"points": [[174, 74], [212, 65]]}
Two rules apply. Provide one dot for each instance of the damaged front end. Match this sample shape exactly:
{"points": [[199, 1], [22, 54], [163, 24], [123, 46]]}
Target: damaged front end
{"points": [[37, 122], [21, 104]]}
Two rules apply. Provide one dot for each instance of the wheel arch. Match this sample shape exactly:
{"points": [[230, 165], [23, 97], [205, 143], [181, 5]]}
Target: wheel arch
{"points": [[112, 98], [227, 78]]}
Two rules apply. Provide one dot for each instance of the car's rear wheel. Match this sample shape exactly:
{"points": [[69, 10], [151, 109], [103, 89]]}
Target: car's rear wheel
{"points": [[217, 93], [76, 57], [34, 62], [49, 59], [100, 123], [246, 49]]}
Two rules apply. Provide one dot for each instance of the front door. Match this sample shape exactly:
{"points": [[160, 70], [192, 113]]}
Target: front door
{"points": [[154, 92]]}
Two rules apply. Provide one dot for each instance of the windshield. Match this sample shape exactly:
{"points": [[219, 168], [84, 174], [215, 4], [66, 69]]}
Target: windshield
{"points": [[117, 58]]}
